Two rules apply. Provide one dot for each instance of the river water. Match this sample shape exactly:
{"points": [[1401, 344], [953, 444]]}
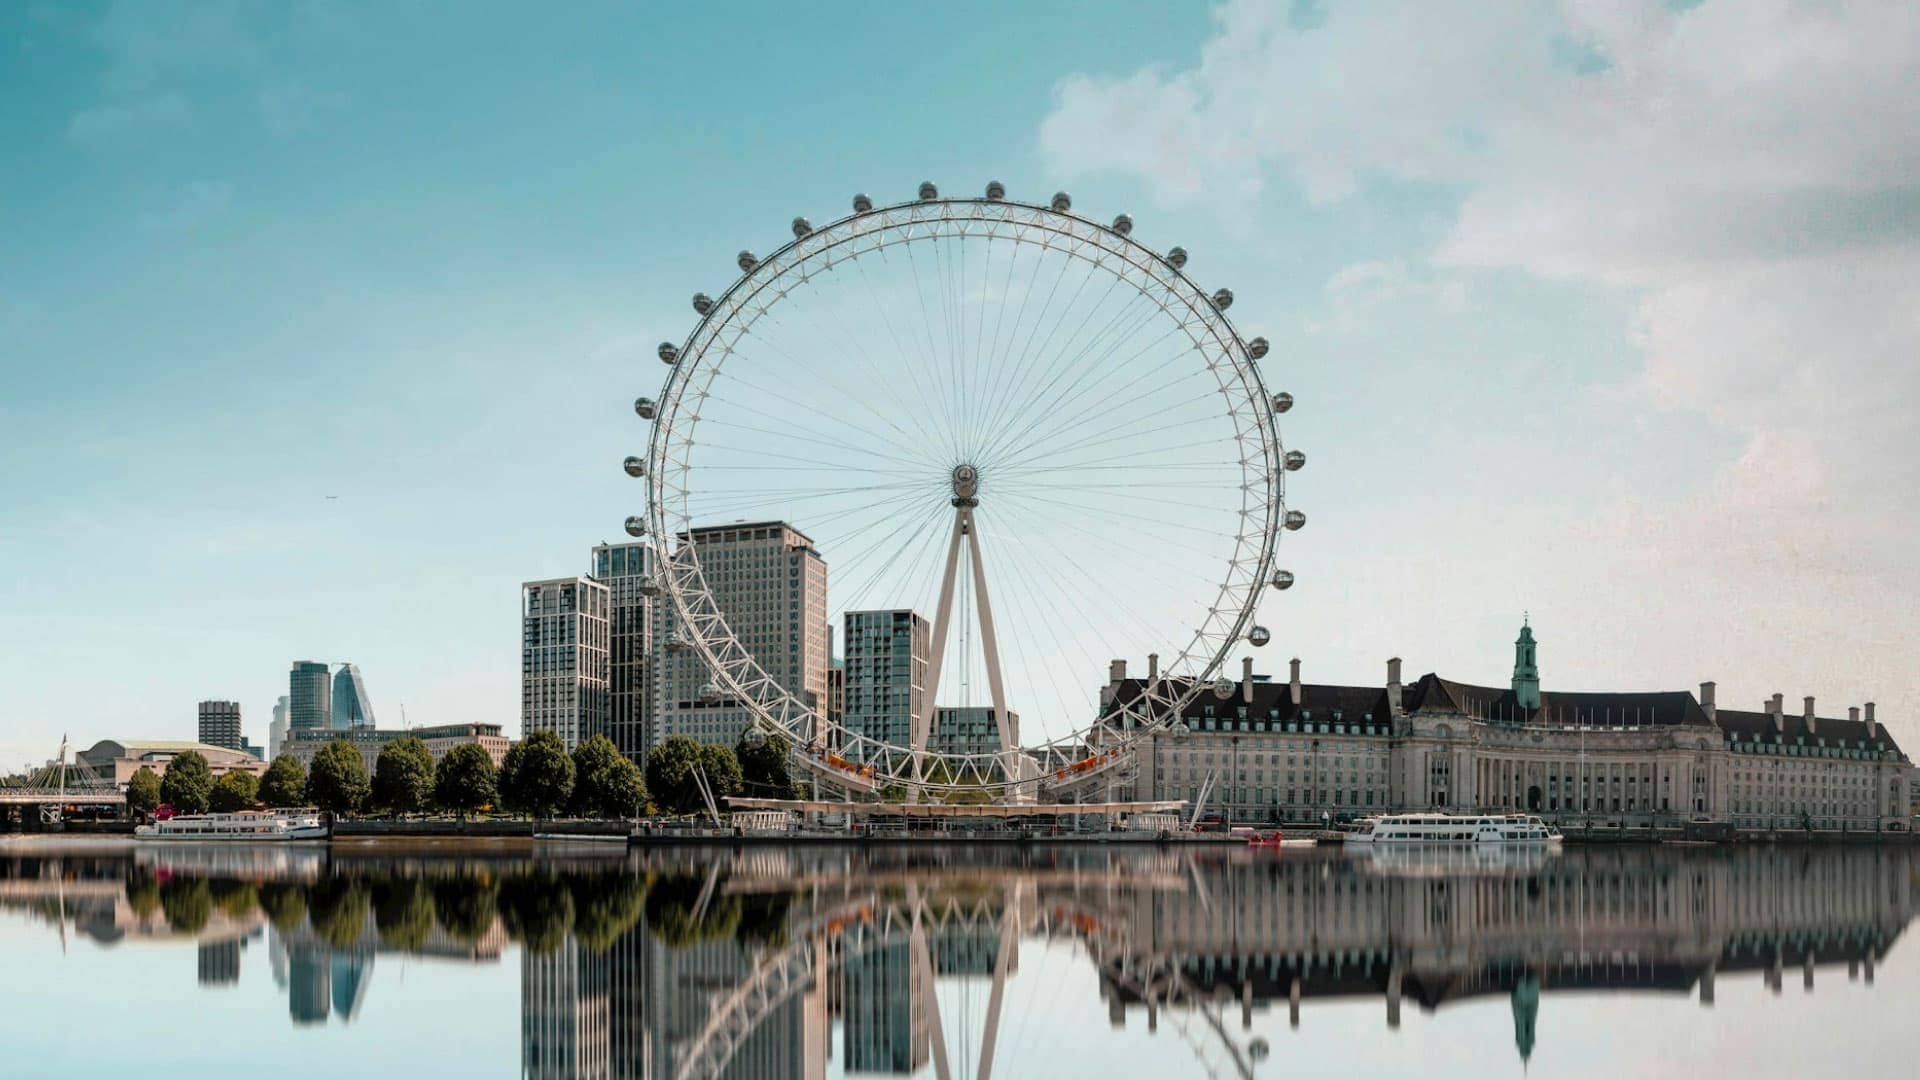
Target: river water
{"points": [[385, 959]]}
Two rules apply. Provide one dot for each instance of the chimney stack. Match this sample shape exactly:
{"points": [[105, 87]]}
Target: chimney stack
{"points": [[1394, 707], [1809, 715], [1873, 728], [1153, 667], [1293, 681], [1117, 672], [1246, 680], [1706, 701], [1853, 714]]}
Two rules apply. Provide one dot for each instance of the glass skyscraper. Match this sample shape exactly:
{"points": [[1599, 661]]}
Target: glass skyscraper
{"points": [[310, 696], [351, 709]]}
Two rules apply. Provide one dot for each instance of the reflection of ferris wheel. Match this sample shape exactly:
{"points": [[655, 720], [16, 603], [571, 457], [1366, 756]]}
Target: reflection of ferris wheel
{"points": [[978, 382]]}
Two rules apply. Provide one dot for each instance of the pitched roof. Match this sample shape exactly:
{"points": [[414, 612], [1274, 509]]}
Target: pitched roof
{"points": [[1759, 726], [1269, 698], [1632, 708]]}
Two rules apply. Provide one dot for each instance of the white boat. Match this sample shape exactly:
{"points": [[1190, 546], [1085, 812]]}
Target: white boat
{"points": [[253, 826], [1453, 829]]}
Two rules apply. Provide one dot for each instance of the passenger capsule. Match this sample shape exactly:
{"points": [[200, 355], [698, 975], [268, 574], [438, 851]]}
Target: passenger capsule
{"points": [[1257, 348], [747, 260], [862, 204], [755, 738], [996, 190], [1177, 258], [1062, 202], [635, 465], [1223, 688], [649, 586], [1258, 1049], [668, 351], [1282, 579], [636, 526], [644, 407], [928, 192], [702, 303], [1223, 299], [801, 227], [1259, 635], [1295, 460], [1181, 730], [1282, 401], [709, 692], [1295, 520], [1123, 225]]}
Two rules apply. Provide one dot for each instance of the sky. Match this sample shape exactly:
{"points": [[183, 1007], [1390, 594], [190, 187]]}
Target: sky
{"points": [[1602, 312]]}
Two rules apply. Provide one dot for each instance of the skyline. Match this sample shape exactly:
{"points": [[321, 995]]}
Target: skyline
{"points": [[261, 262]]}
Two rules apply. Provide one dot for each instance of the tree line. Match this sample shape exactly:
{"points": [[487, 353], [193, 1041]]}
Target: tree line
{"points": [[537, 778]]}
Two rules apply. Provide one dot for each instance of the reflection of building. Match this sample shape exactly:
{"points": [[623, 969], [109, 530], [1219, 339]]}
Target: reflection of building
{"points": [[1294, 750], [220, 962], [563, 658], [350, 708], [885, 658], [309, 696], [771, 585], [884, 1020], [440, 738], [565, 1013], [627, 571], [220, 724]]}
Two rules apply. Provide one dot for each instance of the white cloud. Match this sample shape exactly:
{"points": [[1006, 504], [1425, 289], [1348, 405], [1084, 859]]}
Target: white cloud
{"points": [[123, 122]]}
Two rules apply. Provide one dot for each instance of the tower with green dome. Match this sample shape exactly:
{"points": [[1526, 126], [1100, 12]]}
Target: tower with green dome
{"points": [[1526, 669]]}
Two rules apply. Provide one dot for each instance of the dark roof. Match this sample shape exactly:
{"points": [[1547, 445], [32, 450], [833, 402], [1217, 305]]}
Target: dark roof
{"points": [[1759, 726], [1658, 708], [1351, 702]]}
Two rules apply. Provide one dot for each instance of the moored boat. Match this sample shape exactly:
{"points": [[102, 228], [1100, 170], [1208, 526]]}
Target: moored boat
{"points": [[250, 826], [1453, 829]]}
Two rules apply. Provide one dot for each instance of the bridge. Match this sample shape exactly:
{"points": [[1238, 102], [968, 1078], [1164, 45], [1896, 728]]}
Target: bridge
{"points": [[64, 781]]}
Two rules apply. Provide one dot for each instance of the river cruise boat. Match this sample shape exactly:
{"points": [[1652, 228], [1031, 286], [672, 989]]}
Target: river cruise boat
{"points": [[1453, 829], [258, 826]]}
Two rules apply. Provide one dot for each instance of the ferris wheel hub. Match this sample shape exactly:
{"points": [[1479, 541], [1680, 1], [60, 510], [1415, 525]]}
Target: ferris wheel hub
{"points": [[966, 485]]}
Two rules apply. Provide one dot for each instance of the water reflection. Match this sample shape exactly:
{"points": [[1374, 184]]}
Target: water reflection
{"points": [[902, 960]]}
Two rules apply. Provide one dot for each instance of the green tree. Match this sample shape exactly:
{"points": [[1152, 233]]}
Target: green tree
{"points": [[235, 791], [763, 767], [723, 770], [537, 776], [670, 766], [338, 779], [465, 779], [285, 784], [188, 783], [403, 776], [605, 783], [143, 791]]}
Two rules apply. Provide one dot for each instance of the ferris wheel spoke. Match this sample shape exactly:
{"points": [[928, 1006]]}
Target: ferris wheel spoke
{"points": [[1052, 438], [1104, 408], [1052, 359], [931, 414], [1021, 363], [885, 447]]}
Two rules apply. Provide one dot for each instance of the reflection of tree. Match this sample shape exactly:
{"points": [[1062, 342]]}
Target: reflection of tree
{"points": [[537, 911], [234, 898], [143, 895], [402, 912], [188, 904], [464, 905], [763, 919], [671, 912], [284, 905], [605, 907], [337, 910]]}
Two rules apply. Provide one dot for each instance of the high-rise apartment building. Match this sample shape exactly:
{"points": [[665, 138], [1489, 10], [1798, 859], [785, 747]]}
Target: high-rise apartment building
{"points": [[563, 658], [970, 729], [627, 572], [220, 724], [771, 585], [309, 696], [277, 730], [885, 660], [351, 710]]}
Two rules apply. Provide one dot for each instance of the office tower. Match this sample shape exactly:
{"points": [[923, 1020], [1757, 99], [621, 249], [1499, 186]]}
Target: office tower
{"points": [[309, 696], [771, 585], [220, 724], [277, 730], [886, 654], [563, 658], [351, 710], [627, 572], [970, 729]]}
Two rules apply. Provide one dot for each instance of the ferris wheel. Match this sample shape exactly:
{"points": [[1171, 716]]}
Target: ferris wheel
{"points": [[1012, 419]]}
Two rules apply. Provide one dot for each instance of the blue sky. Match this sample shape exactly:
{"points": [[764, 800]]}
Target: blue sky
{"points": [[255, 255]]}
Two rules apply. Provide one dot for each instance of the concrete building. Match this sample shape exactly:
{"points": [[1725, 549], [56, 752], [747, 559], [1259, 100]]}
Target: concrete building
{"points": [[440, 738], [277, 730], [1294, 750], [970, 729], [627, 571], [350, 708], [220, 724], [309, 696], [886, 657], [121, 758], [563, 658], [771, 585]]}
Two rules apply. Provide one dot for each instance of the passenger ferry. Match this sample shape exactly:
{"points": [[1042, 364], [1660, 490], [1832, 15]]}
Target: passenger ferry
{"points": [[1454, 829], [255, 826]]}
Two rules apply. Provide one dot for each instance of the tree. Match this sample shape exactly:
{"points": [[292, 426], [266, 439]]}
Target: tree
{"points": [[763, 768], [723, 770], [605, 783], [188, 783], [235, 791], [403, 776], [670, 767], [338, 779], [465, 781], [143, 791], [285, 783], [537, 776]]}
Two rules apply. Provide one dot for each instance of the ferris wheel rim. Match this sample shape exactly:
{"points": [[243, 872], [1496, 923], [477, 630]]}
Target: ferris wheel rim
{"points": [[777, 709]]}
